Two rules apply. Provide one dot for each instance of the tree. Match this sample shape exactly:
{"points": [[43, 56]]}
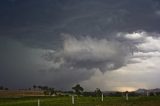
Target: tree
{"points": [[44, 87], [78, 89], [1, 87], [34, 87], [6, 88], [98, 92], [48, 91], [40, 87], [52, 91]]}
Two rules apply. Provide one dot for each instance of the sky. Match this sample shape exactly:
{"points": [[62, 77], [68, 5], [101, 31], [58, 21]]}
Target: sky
{"points": [[106, 44]]}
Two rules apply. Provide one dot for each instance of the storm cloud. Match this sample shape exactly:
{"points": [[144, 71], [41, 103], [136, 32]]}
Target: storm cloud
{"points": [[89, 53], [40, 23], [95, 42], [142, 69]]}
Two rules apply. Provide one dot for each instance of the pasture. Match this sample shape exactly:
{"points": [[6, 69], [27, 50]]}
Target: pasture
{"points": [[81, 101]]}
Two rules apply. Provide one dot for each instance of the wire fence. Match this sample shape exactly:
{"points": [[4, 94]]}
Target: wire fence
{"points": [[82, 101]]}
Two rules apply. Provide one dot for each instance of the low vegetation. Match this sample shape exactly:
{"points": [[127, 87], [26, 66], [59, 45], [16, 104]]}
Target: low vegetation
{"points": [[48, 96], [81, 101]]}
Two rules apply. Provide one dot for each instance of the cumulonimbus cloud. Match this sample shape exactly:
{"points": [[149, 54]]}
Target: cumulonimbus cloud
{"points": [[89, 53]]}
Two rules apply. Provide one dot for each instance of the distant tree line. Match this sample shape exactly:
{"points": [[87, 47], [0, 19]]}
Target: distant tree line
{"points": [[3, 88], [80, 91], [46, 90], [77, 89]]}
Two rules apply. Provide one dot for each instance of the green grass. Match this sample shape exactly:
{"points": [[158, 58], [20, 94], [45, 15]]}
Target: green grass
{"points": [[81, 101]]}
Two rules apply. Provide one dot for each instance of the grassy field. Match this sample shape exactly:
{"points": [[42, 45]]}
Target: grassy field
{"points": [[81, 101]]}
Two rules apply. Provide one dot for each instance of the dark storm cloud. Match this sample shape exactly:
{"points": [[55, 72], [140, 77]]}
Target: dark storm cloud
{"points": [[65, 77], [15, 67], [39, 23], [90, 53], [22, 66], [31, 34]]}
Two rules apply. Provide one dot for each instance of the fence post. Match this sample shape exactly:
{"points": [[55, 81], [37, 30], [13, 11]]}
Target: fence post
{"points": [[72, 99], [102, 97], [126, 96], [38, 102]]}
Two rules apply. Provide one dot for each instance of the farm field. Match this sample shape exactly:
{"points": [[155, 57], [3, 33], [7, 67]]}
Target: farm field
{"points": [[81, 101]]}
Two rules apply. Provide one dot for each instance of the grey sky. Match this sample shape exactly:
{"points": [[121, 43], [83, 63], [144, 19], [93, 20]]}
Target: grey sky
{"points": [[111, 44]]}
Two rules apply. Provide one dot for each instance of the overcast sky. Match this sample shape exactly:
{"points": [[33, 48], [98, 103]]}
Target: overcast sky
{"points": [[106, 44]]}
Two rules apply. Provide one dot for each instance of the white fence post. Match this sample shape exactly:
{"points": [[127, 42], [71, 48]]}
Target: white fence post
{"points": [[126, 96], [102, 97], [38, 102], [72, 99]]}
